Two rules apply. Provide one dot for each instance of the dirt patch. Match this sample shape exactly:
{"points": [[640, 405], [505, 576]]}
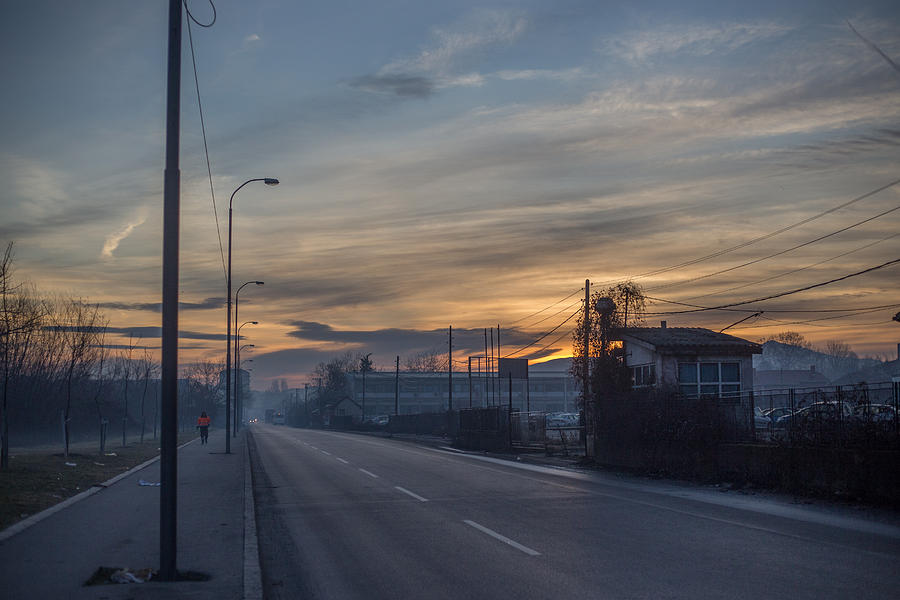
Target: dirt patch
{"points": [[36, 480]]}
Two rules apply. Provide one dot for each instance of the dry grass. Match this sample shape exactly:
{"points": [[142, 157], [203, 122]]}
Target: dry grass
{"points": [[39, 478]]}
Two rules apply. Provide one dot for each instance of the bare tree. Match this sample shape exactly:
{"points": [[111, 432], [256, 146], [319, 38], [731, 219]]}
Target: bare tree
{"points": [[841, 359], [204, 380], [146, 368], [606, 367], [21, 319], [427, 361], [78, 326], [791, 338], [101, 357], [125, 368]]}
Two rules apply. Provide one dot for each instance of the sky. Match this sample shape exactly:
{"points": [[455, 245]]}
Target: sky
{"points": [[464, 164]]}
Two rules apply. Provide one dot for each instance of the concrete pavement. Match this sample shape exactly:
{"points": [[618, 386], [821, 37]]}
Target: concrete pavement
{"points": [[119, 527]]}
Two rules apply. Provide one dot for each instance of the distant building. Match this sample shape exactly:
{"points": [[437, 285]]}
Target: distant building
{"points": [[784, 379], [429, 392]]}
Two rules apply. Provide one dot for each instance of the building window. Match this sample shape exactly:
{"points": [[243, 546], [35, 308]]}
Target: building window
{"points": [[643, 376], [721, 379]]}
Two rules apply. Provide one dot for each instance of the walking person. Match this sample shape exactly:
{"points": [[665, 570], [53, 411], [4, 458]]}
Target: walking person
{"points": [[203, 426]]}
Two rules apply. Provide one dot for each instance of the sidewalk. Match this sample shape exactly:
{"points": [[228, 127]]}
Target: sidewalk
{"points": [[119, 527]]}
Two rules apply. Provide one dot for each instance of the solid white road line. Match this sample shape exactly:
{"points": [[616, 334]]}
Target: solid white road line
{"points": [[409, 493], [370, 474], [342, 460], [324, 452], [502, 538]]}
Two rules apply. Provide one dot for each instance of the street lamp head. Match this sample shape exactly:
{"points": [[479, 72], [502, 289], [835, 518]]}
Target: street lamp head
{"points": [[271, 181], [259, 282], [254, 322]]}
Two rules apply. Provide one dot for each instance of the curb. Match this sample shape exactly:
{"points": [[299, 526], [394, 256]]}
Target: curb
{"points": [[252, 571], [97, 487]]}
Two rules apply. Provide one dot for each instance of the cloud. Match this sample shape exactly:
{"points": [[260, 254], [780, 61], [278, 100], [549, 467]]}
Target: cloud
{"points": [[411, 86], [407, 340], [251, 38], [209, 303], [478, 30], [146, 332], [695, 40], [441, 64], [113, 240], [571, 74]]}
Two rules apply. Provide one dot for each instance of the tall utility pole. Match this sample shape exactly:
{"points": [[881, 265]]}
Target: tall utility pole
{"points": [[470, 382], [491, 367], [483, 380], [397, 388], [499, 383], [450, 383], [168, 463], [586, 368], [450, 370]]}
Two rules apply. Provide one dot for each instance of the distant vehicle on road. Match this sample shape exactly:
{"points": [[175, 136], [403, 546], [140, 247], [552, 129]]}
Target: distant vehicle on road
{"points": [[278, 419]]}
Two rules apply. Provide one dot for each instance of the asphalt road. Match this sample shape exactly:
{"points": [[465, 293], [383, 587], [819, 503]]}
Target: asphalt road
{"points": [[349, 516]]}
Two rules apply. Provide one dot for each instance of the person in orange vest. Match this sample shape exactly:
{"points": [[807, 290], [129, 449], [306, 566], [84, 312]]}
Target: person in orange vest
{"points": [[203, 426]]}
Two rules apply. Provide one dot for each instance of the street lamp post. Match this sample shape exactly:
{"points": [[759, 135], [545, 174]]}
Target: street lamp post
{"points": [[237, 297], [239, 395], [237, 379], [267, 181]]}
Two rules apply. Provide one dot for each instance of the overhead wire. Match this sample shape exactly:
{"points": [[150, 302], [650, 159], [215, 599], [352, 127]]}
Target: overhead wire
{"points": [[780, 294], [562, 310], [567, 319], [813, 322], [791, 272], [194, 19], [759, 238], [757, 260], [770, 310], [212, 190], [543, 309], [542, 348]]}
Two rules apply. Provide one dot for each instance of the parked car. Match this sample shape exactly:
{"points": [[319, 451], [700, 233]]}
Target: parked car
{"points": [[761, 420], [821, 411], [776, 413], [562, 420], [877, 413]]}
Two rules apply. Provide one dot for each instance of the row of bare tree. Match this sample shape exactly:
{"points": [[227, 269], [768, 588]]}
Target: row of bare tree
{"points": [[62, 380]]}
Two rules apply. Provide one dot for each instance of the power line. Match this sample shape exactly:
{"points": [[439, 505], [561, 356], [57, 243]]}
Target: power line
{"points": [[813, 322], [541, 349], [762, 237], [875, 48], [781, 294], [769, 310], [203, 127], [545, 335], [562, 310], [791, 272], [543, 309], [756, 260], [194, 19]]}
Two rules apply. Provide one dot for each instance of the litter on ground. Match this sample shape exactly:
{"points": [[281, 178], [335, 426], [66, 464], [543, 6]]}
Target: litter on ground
{"points": [[131, 576], [150, 483]]}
